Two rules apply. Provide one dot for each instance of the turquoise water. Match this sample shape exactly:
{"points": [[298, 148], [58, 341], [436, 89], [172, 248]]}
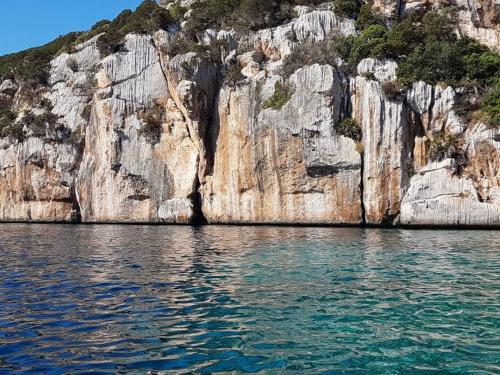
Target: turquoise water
{"points": [[133, 299]]}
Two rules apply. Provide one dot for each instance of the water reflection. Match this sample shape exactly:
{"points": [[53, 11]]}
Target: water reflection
{"points": [[247, 299]]}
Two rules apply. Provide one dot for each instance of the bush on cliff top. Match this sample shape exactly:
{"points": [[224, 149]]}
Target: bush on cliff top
{"points": [[148, 18], [32, 65], [425, 46], [347, 8], [242, 15]]}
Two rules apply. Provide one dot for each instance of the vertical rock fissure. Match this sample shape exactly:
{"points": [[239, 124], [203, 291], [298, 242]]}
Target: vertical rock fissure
{"points": [[209, 137], [362, 191], [77, 210], [198, 215], [74, 192], [202, 144]]}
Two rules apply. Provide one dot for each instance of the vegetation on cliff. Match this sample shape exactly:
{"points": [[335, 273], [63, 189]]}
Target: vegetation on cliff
{"points": [[146, 19], [243, 15], [350, 128], [282, 95], [423, 43], [32, 65]]}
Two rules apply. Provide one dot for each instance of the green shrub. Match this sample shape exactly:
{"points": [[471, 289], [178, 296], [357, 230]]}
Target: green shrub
{"points": [[243, 15], [491, 105], [13, 131], [180, 44], [190, 67], [369, 75], [392, 89], [347, 8], [177, 12], [307, 54], [433, 62], [7, 117], [423, 43], [368, 43], [211, 14], [426, 47], [7, 126], [282, 95], [153, 121], [39, 125], [148, 18], [368, 17], [443, 146], [349, 128], [46, 104], [233, 74], [483, 65]]}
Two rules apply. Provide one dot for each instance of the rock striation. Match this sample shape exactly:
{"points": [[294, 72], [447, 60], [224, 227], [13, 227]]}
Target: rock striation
{"points": [[284, 165]]}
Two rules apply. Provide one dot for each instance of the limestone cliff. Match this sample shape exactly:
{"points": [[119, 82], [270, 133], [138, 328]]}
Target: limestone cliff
{"points": [[152, 134]]}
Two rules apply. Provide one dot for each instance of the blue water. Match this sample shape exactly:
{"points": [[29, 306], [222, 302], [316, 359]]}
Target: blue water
{"points": [[133, 299]]}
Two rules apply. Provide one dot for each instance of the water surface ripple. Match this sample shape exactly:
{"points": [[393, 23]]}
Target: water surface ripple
{"points": [[133, 299]]}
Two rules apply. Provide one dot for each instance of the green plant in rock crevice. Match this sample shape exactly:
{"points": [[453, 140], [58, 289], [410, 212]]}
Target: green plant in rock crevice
{"points": [[153, 118], [491, 105], [350, 128], [282, 95], [443, 146]]}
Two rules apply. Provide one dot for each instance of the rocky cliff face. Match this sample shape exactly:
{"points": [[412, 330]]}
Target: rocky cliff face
{"points": [[478, 19], [284, 165], [217, 153]]}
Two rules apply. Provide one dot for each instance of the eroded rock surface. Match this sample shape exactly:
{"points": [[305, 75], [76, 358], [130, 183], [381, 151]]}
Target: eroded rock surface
{"points": [[284, 165], [386, 149], [143, 136], [37, 182]]}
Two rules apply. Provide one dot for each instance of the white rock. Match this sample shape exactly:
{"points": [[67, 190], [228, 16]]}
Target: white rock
{"points": [[8, 87], [284, 165], [387, 152], [437, 197], [383, 71], [420, 97]]}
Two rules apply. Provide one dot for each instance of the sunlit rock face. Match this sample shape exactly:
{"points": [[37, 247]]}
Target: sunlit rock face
{"points": [[386, 149], [123, 175], [145, 136], [441, 194], [37, 177], [37, 182], [284, 165]]}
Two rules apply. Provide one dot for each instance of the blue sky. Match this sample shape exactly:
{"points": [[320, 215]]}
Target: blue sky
{"points": [[30, 23]]}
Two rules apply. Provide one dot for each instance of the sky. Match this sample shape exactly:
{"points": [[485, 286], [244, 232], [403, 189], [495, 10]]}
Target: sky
{"points": [[30, 23]]}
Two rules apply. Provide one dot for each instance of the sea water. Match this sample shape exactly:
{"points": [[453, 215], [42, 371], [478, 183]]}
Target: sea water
{"points": [[225, 299]]}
